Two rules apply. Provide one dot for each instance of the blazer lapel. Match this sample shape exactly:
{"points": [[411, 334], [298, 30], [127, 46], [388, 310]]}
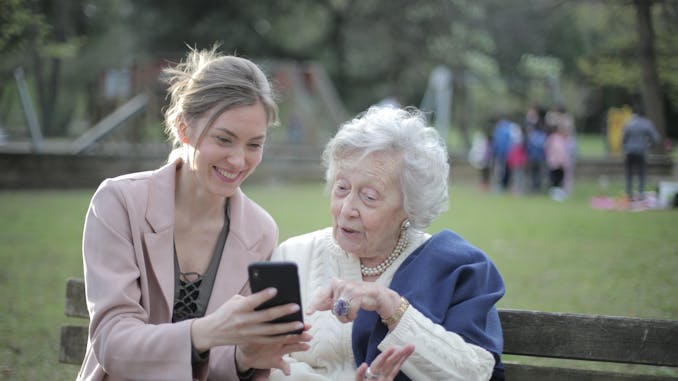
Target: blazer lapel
{"points": [[239, 250], [160, 241]]}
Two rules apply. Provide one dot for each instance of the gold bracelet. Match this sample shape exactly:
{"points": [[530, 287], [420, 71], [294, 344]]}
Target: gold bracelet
{"points": [[392, 320]]}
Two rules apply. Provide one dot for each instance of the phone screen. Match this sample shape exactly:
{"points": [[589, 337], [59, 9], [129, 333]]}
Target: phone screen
{"points": [[284, 276]]}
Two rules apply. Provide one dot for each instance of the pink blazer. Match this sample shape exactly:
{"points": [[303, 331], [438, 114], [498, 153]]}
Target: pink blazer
{"points": [[129, 279]]}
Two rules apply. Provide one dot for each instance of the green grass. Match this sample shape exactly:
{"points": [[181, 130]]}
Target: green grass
{"points": [[567, 257], [40, 235], [553, 256]]}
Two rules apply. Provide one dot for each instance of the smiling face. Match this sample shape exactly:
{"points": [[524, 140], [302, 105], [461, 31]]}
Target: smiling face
{"points": [[367, 206], [230, 149]]}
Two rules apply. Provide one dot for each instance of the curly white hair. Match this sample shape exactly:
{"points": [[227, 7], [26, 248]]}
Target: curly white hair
{"points": [[405, 132]]}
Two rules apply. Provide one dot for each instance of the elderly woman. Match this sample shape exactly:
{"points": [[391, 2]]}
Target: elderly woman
{"points": [[375, 281]]}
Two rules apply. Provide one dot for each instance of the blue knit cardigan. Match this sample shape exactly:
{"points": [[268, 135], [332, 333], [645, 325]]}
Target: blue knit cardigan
{"points": [[451, 282]]}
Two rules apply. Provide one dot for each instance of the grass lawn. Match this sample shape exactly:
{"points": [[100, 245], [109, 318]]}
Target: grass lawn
{"points": [[553, 256]]}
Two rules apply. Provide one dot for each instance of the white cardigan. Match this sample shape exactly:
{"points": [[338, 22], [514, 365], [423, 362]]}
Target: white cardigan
{"points": [[438, 355]]}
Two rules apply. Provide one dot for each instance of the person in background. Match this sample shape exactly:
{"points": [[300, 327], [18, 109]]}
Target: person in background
{"points": [[516, 160], [536, 139], [501, 145], [638, 135], [165, 252], [375, 282], [557, 160], [567, 120], [480, 156], [558, 119]]}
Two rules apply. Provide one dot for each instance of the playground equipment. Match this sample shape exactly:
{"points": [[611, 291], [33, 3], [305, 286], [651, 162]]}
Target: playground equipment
{"points": [[438, 98], [112, 121], [311, 109], [29, 111]]}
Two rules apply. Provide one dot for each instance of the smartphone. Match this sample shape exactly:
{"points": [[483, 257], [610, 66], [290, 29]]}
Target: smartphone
{"points": [[284, 276]]}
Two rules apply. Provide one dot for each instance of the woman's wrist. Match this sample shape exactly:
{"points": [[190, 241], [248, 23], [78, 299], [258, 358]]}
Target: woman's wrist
{"points": [[241, 365], [389, 304], [392, 320], [200, 335]]}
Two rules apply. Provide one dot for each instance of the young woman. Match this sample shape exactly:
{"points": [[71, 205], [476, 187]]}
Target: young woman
{"points": [[166, 252]]}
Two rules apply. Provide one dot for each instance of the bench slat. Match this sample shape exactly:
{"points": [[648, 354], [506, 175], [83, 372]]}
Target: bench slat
{"points": [[520, 372], [76, 306], [590, 337], [73, 344]]}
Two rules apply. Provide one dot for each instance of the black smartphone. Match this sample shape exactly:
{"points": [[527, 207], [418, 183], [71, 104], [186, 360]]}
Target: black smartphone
{"points": [[284, 276]]}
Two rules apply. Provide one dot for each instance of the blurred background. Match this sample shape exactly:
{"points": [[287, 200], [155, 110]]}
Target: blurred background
{"points": [[81, 100], [80, 78]]}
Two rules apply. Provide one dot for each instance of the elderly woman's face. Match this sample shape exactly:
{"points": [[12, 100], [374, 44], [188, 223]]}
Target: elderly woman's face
{"points": [[367, 205]]}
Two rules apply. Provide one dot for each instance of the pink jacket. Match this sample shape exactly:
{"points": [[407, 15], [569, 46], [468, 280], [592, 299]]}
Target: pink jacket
{"points": [[129, 279], [557, 155]]}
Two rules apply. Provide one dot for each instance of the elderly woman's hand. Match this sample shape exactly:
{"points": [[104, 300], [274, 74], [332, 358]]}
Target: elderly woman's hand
{"points": [[345, 298], [385, 366]]}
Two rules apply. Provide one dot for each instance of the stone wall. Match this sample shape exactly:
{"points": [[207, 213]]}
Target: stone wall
{"points": [[63, 171], [46, 171]]}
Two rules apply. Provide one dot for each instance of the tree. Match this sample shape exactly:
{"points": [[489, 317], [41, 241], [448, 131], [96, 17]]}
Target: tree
{"points": [[652, 94], [52, 41], [371, 48], [20, 28]]}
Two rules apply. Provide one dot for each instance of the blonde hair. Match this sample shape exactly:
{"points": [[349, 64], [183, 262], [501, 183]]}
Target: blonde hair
{"points": [[208, 80]]}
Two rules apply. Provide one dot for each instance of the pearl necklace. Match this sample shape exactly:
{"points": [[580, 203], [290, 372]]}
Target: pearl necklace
{"points": [[380, 268]]}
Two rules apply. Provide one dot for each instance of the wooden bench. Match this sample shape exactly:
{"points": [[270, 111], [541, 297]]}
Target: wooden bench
{"points": [[527, 334], [73, 341]]}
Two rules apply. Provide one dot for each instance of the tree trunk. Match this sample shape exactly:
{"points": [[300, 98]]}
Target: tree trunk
{"points": [[48, 73], [652, 94], [336, 39]]}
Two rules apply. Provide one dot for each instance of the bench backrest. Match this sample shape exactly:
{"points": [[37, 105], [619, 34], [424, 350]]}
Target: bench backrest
{"points": [[587, 337], [526, 333], [73, 341]]}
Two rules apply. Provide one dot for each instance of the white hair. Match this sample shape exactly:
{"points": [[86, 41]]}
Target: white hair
{"points": [[405, 133]]}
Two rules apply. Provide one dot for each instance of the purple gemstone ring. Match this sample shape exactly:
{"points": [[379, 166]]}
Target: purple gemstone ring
{"points": [[341, 307]]}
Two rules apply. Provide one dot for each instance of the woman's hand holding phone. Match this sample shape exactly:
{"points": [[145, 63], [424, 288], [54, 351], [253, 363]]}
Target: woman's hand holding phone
{"points": [[284, 277], [241, 321]]}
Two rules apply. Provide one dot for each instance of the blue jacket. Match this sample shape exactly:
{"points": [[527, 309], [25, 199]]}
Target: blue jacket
{"points": [[501, 139], [536, 140], [639, 134]]}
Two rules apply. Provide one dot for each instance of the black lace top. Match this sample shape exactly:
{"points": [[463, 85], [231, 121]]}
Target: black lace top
{"points": [[192, 290]]}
